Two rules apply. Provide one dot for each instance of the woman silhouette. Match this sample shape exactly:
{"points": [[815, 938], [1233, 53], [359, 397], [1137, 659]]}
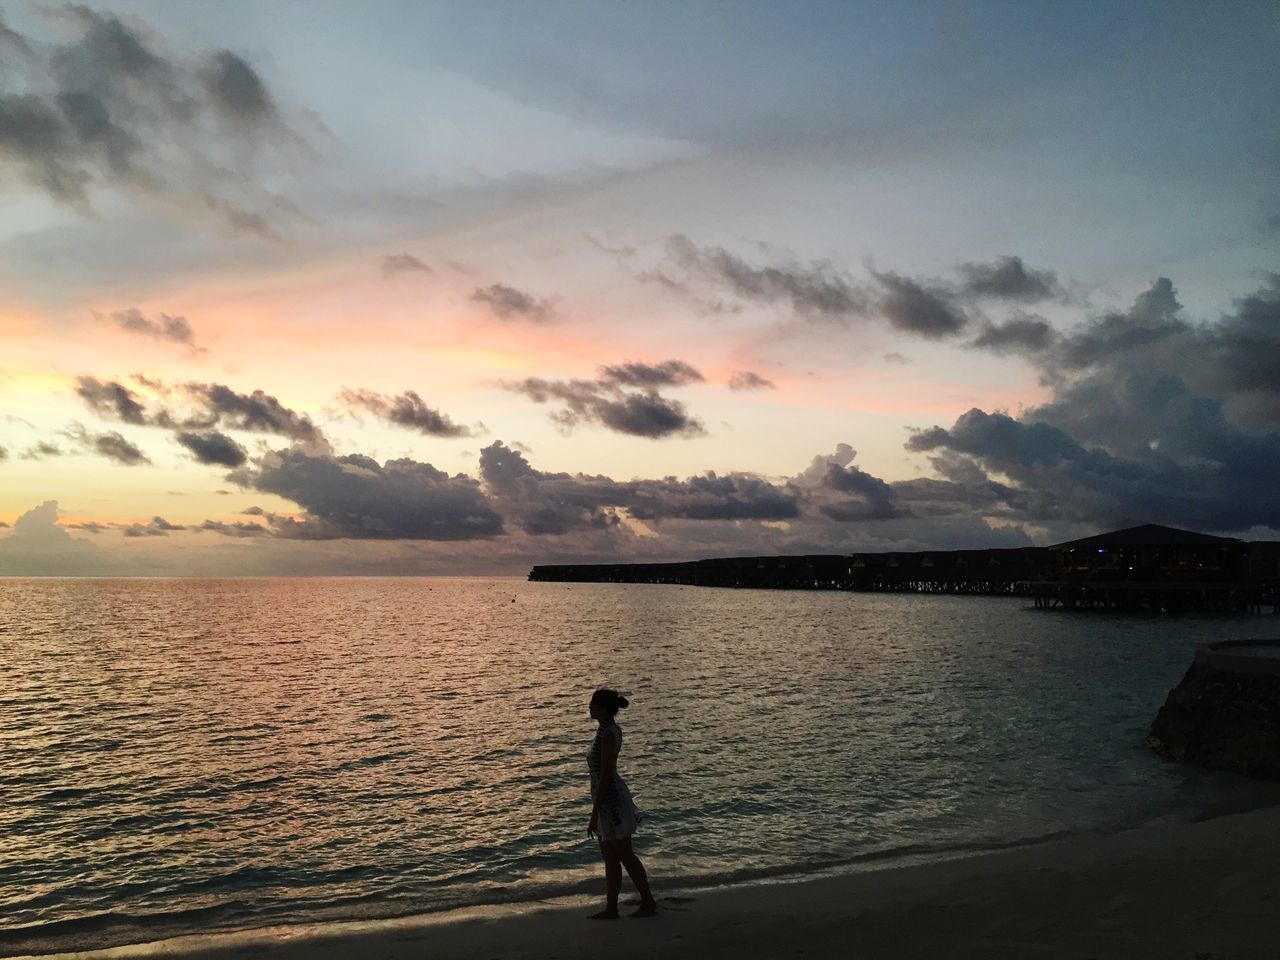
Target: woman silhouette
{"points": [[613, 814]]}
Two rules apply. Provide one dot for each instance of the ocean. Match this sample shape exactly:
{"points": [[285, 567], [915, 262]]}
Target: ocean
{"points": [[193, 755]]}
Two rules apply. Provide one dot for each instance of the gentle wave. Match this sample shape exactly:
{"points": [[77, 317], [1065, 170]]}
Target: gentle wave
{"points": [[420, 744]]}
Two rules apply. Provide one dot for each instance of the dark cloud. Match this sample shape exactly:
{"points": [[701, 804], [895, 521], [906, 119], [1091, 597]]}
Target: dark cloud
{"points": [[236, 90], [110, 444], [237, 528], [1173, 459], [213, 448], [395, 263], [746, 380], [41, 451], [214, 404], [1198, 402], [508, 303], [164, 327], [897, 358], [1239, 357], [1008, 278], [669, 373], [112, 400], [356, 497], [88, 526], [111, 108], [3, 453], [914, 306], [603, 402], [558, 503], [13, 39], [257, 411], [405, 410], [115, 447], [156, 527], [1020, 334], [933, 309], [1154, 316], [816, 291]]}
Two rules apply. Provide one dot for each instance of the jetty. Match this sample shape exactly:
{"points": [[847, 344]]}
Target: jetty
{"points": [[1150, 567]]}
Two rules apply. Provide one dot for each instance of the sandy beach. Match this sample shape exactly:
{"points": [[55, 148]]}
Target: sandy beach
{"points": [[1206, 890]]}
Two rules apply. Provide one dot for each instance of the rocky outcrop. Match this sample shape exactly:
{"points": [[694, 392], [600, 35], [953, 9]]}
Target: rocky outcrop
{"points": [[1226, 719]]}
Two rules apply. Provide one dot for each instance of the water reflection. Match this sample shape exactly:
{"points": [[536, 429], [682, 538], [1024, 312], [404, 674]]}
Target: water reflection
{"points": [[232, 752]]}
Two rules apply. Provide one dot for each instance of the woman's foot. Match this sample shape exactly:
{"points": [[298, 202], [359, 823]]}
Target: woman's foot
{"points": [[645, 910], [606, 914]]}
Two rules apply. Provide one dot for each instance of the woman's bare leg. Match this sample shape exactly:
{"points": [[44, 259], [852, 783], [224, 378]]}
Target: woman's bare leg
{"points": [[612, 880], [628, 859]]}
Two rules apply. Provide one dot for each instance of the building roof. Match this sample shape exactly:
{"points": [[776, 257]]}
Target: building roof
{"points": [[1146, 535]]}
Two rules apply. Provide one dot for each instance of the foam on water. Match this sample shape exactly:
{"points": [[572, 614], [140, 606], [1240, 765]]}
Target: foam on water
{"points": [[193, 755]]}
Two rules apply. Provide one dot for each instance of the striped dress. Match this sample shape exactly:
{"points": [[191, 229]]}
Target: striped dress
{"points": [[618, 818]]}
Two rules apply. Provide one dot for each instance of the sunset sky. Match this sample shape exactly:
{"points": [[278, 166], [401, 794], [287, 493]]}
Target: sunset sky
{"points": [[309, 288]]}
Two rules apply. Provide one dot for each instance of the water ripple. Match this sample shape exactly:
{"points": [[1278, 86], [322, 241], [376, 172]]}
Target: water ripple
{"points": [[220, 753]]}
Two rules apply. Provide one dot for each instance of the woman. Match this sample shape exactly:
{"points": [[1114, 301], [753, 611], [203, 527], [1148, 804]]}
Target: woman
{"points": [[613, 814]]}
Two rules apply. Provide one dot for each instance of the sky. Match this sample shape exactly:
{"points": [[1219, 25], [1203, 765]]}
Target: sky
{"points": [[435, 288]]}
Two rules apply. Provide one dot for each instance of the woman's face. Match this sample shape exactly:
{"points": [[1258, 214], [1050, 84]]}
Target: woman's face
{"points": [[596, 711]]}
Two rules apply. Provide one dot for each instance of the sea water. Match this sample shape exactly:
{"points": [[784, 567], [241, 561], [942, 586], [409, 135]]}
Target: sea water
{"points": [[192, 755]]}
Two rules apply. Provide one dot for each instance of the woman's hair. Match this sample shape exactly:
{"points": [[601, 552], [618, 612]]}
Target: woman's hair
{"points": [[611, 701]]}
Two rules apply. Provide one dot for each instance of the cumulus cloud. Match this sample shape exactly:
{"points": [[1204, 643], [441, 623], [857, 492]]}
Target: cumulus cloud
{"points": [[397, 263], [508, 303], [114, 108], [356, 497], [841, 491], [543, 503], [1153, 415], [1131, 447], [405, 410], [38, 546], [747, 380], [171, 329], [213, 448]]}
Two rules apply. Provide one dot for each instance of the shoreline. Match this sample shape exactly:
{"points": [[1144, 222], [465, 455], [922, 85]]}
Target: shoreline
{"points": [[1113, 887]]}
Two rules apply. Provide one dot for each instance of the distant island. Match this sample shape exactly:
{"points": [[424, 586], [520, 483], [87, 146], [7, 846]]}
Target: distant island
{"points": [[1148, 567]]}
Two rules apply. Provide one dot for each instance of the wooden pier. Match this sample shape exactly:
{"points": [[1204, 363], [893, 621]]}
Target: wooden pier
{"points": [[1143, 568]]}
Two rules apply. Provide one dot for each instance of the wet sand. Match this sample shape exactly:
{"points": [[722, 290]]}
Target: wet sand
{"points": [[1208, 890]]}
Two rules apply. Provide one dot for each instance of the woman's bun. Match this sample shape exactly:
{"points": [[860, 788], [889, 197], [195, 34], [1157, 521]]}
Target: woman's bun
{"points": [[622, 702]]}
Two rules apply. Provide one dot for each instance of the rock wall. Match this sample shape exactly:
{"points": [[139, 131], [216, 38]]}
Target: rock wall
{"points": [[1222, 719]]}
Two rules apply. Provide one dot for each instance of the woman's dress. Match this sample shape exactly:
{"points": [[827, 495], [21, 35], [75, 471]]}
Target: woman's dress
{"points": [[618, 818]]}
